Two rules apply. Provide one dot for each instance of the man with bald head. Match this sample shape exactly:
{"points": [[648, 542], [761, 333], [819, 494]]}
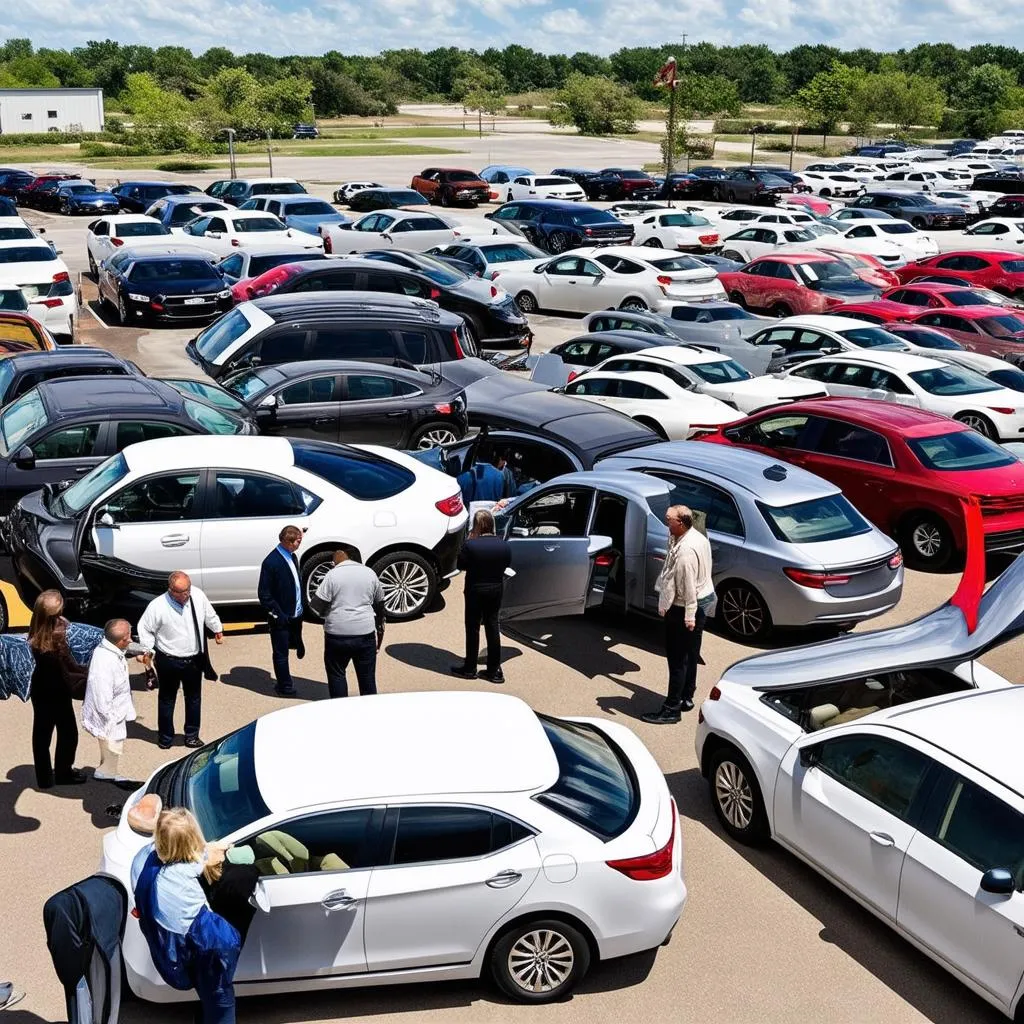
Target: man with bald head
{"points": [[174, 627], [108, 707]]}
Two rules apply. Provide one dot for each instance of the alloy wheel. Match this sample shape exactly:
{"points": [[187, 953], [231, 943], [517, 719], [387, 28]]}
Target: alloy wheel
{"points": [[526, 303], [436, 437], [541, 961], [734, 795], [316, 577], [976, 422], [122, 310], [742, 611], [405, 586], [927, 539]]}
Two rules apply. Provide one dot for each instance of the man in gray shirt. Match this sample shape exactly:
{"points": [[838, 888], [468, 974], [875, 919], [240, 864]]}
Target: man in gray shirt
{"points": [[351, 600]]}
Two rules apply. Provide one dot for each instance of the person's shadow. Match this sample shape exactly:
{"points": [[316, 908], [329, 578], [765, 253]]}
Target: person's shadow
{"points": [[96, 797], [260, 681], [440, 660]]}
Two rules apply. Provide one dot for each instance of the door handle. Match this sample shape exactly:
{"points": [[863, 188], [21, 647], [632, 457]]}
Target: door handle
{"points": [[337, 900], [174, 540], [323, 420], [395, 415], [503, 879], [550, 547], [82, 469], [882, 838]]}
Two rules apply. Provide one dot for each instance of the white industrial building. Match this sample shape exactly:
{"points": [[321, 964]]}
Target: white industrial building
{"points": [[50, 110]]}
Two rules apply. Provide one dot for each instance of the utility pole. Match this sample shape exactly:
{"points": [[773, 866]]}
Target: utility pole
{"points": [[231, 150], [270, 154]]}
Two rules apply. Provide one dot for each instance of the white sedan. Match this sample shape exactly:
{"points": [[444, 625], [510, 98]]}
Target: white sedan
{"points": [[880, 238], [924, 383], [677, 229], [760, 239], [14, 229], [105, 235], [224, 232], [44, 279], [382, 229], [452, 835], [970, 200], [541, 186], [836, 183], [623, 277], [655, 400], [994, 233], [489, 256], [347, 189], [890, 763]]}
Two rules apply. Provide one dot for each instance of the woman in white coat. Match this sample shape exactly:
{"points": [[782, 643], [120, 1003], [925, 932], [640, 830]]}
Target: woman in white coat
{"points": [[108, 706]]}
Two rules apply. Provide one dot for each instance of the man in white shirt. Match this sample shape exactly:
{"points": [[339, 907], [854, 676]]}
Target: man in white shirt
{"points": [[173, 625], [108, 706]]}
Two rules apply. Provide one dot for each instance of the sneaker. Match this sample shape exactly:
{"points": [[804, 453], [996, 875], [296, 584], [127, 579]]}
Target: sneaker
{"points": [[492, 677], [664, 716], [193, 742], [75, 777], [463, 671], [8, 996]]}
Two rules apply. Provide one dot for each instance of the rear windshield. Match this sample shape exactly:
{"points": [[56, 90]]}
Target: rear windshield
{"points": [[14, 234], [671, 263], [261, 264], [595, 786], [366, 477], [684, 220], [279, 188], [952, 380], [215, 340], [14, 299], [1004, 326], [554, 181], [871, 337], [959, 450], [511, 252], [814, 521], [724, 371], [579, 217], [246, 225], [314, 208], [897, 229], [461, 176], [136, 229], [409, 198], [27, 254]]}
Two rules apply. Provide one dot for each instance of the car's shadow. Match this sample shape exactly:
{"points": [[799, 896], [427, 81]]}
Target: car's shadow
{"points": [[876, 947]]}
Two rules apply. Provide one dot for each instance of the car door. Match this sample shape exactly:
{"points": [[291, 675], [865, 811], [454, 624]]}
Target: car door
{"points": [[558, 284], [306, 408], [315, 875], [99, 244], [243, 512], [53, 454], [849, 806], [375, 409], [455, 871], [420, 233], [976, 825]]}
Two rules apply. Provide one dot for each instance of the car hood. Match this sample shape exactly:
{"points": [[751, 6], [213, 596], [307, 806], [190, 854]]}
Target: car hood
{"points": [[767, 387], [495, 270], [940, 637], [190, 286], [94, 197]]}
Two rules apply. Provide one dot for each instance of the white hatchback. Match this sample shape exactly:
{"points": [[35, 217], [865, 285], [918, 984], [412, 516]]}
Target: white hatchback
{"points": [[44, 279], [224, 232], [426, 837]]}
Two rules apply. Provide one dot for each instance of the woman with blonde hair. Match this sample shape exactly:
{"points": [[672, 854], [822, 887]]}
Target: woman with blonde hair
{"points": [[191, 946], [56, 678]]}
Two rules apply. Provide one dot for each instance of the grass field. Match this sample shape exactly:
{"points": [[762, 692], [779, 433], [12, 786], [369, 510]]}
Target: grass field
{"points": [[396, 132]]}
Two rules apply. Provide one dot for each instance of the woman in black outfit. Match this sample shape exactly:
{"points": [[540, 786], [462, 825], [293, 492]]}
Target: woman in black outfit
{"points": [[57, 676]]}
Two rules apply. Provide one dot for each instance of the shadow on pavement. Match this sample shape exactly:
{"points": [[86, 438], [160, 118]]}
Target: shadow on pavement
{"points": [[94, 796], [438, 659], [259, 680], [844, 923]]}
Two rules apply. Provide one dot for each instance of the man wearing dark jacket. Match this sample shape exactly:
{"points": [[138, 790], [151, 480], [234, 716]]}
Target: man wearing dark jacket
{"points": [[280, 596], [484, 559]]}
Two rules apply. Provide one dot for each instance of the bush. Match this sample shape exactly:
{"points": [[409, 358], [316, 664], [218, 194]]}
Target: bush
{"points": [[776, 145], [185, 166], [739, 126], [53, 138]]}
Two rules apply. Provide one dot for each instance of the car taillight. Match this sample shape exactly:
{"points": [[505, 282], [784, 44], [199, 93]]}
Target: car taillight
{"points": [[328, 244], [604, 560], [651, 866], [62, 276], [1005, 412], [235, 241], [135, 913], [815, 580], [459, 354], [573, 374], [495, 292], [588, 231], [664, 279], [435, 294], [450, 506], [707, 239], [444, 408], [896, 560], [117, 241], [715, 694], [52, 303]]}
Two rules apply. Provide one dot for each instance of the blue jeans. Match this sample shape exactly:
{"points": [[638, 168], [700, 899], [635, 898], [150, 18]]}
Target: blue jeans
{"points": [[361, 651]]}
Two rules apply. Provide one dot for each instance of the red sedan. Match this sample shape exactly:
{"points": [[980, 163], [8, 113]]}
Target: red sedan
{"points": [[263, 284], [881, 311], [795, 283], [990, 330], [939, 296], [1001, 271], [866, 267], [904, 469]]}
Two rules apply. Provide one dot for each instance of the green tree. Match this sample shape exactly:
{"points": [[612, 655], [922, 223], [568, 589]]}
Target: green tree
{"points": [[986, 87], [596, 105], [906, 100], [826, 98], [162, 120], [707, 95]]}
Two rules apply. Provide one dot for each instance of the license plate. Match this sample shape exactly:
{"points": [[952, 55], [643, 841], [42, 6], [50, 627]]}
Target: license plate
{"points": [[195, 302]]}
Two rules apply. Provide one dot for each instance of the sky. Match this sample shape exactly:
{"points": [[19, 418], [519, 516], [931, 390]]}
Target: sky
{"points": [[552, 26]]}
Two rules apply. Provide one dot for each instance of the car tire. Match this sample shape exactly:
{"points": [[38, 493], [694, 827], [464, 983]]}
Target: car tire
{"points": [[927, 542], [5, 618], [654, 243], [654, 425], [738, 299], [546, 952], [65, 209], [446, 199], [736, 797], [431, 435], [825, 193], [122, 311], [93, 270], [634, 304], [558, 242], [918, 222], [781, 310], [732, 254], [311, 572], [742, 612], [982, 424], [526, 302], [409, 582]]}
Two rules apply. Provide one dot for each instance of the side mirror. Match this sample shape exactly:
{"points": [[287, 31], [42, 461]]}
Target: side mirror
{"points": [[540, 269], [998, 881], [25, 458], [809, 757], [105, 519], [213, 234], [260, 898], [830, 350]]}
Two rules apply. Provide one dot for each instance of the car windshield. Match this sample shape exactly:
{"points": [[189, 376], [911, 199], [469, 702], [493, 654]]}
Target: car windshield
{"points": [[1004, 326], [959, 450], [27, 254], [594, 788], [870, 337], [173, 270], [897, 229], [250, 383], [216, 339], [21, 419], [407, 198], [952, 380], [814, 521], [183, 213], [313, 208], [976, 297], [253, 225], [82, 493], [579, 217], [139, 228], [833, 272], [220, 785], [438, 271], [553, 181], [672, 263], [78, 189], [14, 234], [511, 252], [213, 421], [684, 220], [364, 476], [209, 393], [724, 371]]}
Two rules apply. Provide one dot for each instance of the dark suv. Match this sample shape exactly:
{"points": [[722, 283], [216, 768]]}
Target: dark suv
{"points": [[620, 183], [921, 211], [555, 225], [750, 186], [21, 373], [1008, 181], [393, 329], [139, 196]]}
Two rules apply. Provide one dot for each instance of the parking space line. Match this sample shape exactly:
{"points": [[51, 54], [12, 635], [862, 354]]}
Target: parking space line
{"points": [[88, 308]]}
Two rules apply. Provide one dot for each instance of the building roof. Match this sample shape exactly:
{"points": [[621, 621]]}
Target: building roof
{"points": [[401, 745]]}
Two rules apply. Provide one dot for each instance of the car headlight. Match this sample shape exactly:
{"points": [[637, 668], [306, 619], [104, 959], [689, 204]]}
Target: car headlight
{"points": [[226, 294], [138, 298]]}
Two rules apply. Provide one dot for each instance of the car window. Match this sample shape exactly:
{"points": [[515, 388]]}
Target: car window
{"points": [[250, 495], [365, 476], [886, 773], [429, 834], [159, 499], [335, 841], [307, 392], [774, 431], [232, 265], [818, 371], [366, 386], [720, 511], [281, 346], [568, 266], [353, 343], [559, 513], [814, 521], [326, 281], [132, 432], [846, 441], [593, 386], [68, 443]]}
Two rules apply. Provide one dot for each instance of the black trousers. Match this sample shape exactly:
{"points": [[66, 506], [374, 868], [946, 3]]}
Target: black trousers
{"points": [[682, 648], [285, 635], [483, 606], [52, 711], [186, 673], [361, 651]]}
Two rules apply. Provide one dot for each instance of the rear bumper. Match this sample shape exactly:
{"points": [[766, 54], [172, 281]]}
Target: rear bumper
{"points": [[446, 552], [795, 606]]}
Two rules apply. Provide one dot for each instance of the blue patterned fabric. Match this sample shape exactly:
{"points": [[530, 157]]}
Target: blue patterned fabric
{"points": [[17, 663]]}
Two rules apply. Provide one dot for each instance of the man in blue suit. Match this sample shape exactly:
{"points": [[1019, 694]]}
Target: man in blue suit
{"points": [[280, 596]]}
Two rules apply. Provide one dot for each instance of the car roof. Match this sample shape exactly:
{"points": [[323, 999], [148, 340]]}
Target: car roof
{"points": [[799, 257], [825, 323], [230, 451], [932, 287], [906, 362], [451, 742], [314, 304], [310, 368], [630, 340], [192, 197], [265, 181], [870, 412], [249, 214], [680, 355], [176, 184], [975, 312], [66, 355], [129, 218], [653, 379], [108, 397], [144, 254]]}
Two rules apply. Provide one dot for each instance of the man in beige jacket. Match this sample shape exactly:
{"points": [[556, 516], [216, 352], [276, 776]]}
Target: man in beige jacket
{"points": [[685, 593]]}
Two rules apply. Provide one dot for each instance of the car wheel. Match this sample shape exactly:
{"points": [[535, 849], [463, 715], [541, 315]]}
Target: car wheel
{"points": [[927, 542], [732, 254], [982, 424], [654, 243], [409, 583], [635, 304], [446, 199], [918, 222], [311, 574], [825, 193], [558, 242], [738, 298], [539, 961], [122, 310], [92, 267], [736, 796], [4, 615], [654, 425], [526, 303], [731, 196], [431, 435], [742, 612], [781, 310], [65, 208]]}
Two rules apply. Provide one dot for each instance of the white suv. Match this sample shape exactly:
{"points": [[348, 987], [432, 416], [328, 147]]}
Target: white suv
{"points": [[44, 279]]}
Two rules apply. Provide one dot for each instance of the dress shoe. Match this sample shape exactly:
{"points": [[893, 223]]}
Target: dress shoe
{"points": [[282, 691], [666, 716], [193, 742], [492, 677], [163, 746], [463, 671], [75, 777], [687, 705]]}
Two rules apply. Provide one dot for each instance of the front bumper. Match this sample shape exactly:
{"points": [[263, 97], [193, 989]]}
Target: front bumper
{"points": [[471, 195]]}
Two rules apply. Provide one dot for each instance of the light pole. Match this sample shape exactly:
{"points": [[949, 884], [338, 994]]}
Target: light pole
{"points": [[231, 150], [270, 154]]}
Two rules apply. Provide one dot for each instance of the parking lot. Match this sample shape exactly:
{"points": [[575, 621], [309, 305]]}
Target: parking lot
{"points": [[762, 938]]}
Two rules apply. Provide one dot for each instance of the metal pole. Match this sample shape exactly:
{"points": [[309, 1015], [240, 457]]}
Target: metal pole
{"points": [[753, 139], [671, 140], [270, 155], [792, 146], [231, 151], [480, 122]]}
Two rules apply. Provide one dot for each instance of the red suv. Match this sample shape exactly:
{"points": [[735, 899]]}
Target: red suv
{"points": [[905, 469], [450, 185], [1002, 271], [990, 330], [795, 283]]}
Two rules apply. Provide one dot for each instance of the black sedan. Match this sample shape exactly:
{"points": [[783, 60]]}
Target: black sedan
{"points": [[21, 373], [1009, 182], [62, 428], [353, 403], [11, 182], [148, 288], [139, 196], [746, 186], [369, 199], [620, 183], [684, 185]]}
